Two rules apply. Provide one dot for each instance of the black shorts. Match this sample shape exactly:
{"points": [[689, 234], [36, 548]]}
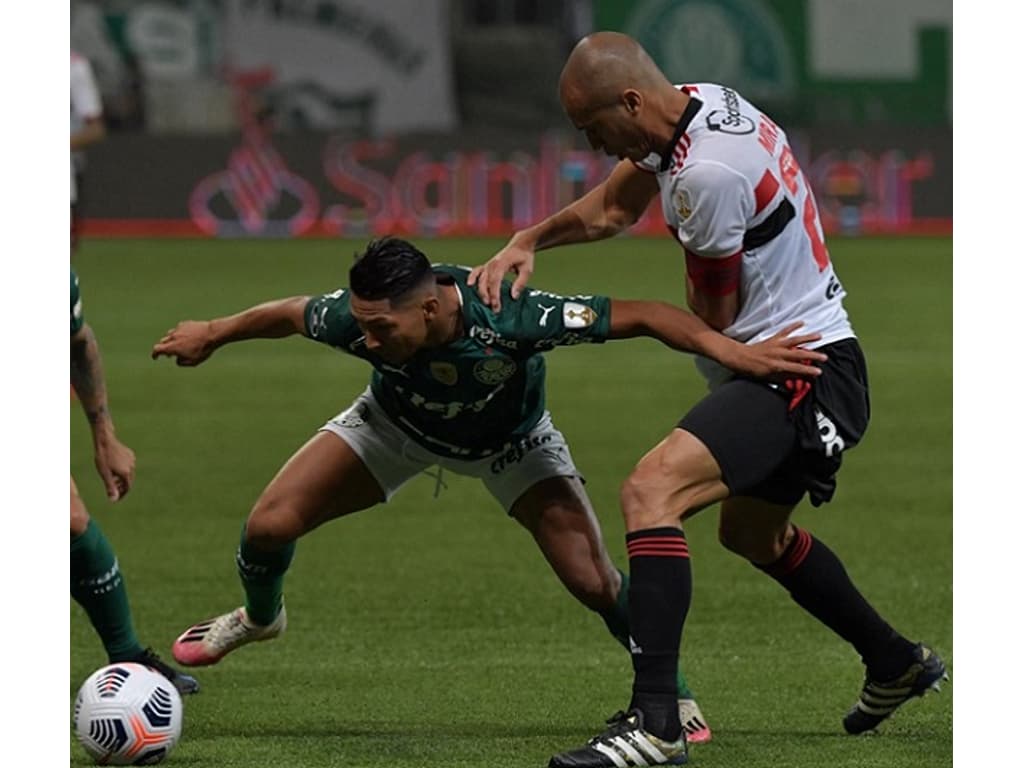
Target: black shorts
{"points": [[776, 446]]}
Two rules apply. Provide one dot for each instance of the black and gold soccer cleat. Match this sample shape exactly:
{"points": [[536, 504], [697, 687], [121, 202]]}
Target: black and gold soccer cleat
{"points": [[185, 684], [624, 744], [878, 700]]}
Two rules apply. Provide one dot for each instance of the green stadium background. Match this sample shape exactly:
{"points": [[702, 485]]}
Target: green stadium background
{"points": [[430, 632]]}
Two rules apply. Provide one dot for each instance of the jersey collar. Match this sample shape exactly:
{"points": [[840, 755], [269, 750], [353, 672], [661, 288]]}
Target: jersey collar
{"points": [[692, 108]]}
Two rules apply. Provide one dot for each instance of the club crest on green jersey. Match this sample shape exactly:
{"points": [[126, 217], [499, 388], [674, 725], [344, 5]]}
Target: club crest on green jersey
{"points": [[494, 370], [446, 373]]}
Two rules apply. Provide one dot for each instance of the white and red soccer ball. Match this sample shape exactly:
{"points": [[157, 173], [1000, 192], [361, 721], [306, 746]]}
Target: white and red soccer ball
{"points": [[128, 714]]}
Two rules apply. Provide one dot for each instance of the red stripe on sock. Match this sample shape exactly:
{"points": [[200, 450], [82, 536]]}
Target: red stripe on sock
{"points": [[656, 544], [681, 555], [657, 539], [797, 551], [659, 552]]}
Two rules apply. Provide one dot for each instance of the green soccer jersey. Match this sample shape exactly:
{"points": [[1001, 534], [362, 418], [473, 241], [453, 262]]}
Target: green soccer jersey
{"points": [[471, 397], [77, 318]]}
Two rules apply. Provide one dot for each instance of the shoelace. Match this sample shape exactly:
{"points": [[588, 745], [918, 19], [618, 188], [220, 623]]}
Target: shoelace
{"points": [[150, 658], [225, 628], [618, 724]]}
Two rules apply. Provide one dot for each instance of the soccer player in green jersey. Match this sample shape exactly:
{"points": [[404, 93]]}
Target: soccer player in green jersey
{"points": [[96, 581], [455, 385]]}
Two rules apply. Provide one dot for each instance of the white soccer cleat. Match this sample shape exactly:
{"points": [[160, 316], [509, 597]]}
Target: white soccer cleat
{"points": [[694, 725], [210, 641]]}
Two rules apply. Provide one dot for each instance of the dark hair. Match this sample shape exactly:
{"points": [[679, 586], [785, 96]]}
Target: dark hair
{"points": [[389, 268]]}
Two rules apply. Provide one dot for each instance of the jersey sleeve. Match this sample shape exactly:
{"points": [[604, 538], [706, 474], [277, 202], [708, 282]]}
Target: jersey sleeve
{"points": [[714, 204], [542, 320], [77, 315], [85, 94], [329, 321]]}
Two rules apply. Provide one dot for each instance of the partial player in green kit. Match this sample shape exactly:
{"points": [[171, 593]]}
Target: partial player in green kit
{"points": [[457, 386], [96, 580]]}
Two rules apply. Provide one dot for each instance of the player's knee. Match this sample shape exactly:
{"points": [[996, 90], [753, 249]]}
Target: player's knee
{"points": [[758, 545], [79, 521], [645, 505], [79, 514], [271, 525]]}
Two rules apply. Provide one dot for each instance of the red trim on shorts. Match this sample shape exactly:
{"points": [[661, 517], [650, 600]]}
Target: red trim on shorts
{"points": [[765, 191], [715, 277], [799, 389]]}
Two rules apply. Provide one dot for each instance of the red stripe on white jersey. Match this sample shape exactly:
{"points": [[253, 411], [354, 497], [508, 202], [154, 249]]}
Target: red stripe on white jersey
{"points": [[765, 191]]}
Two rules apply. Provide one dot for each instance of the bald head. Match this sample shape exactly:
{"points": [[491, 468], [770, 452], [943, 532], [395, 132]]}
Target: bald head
{"points": [[604, 65]]}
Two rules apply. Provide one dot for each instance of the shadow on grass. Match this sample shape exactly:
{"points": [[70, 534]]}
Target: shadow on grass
{"points": [[406, 731], [906, 736]]}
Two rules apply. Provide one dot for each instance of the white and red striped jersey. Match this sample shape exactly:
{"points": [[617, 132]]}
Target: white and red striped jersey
{"points": [[730, 187], [85, 102]]}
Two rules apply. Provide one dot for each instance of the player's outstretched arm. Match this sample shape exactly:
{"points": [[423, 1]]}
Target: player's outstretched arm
{"points": [[609, 208], [782, 354], [192, 341], [115, 461]]}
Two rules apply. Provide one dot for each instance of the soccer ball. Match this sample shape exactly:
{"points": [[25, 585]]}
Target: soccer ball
{"points": [[128, 714]]}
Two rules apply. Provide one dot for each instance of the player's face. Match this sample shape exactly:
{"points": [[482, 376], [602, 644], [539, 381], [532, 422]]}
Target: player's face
{"points": [[393, 332], [611, 129]]}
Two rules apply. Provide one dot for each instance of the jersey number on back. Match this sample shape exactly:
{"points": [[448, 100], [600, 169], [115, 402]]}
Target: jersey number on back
{"points": [[791, 177]]}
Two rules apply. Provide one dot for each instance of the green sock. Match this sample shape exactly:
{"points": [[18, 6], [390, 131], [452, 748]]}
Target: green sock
{"points": [[97, 586], [617, 621], [262, 575]]}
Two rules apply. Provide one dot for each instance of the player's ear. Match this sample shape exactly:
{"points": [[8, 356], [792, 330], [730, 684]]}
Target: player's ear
{"points": [[431, 307], [632, 100]]}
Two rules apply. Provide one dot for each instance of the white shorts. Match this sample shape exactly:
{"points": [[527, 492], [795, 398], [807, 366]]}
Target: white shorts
{"points": [[393, 457]]}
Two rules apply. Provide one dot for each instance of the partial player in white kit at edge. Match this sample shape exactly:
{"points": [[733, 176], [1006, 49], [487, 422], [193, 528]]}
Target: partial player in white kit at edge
{"points": [[87, 128], [734, 198]]}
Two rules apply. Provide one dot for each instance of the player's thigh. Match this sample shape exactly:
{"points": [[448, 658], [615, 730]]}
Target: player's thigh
{"points": [[350, 465], [746, 428], [675, 479], [509, 474], [79, 514], [388, 453], [558, 514], [755, 529]]}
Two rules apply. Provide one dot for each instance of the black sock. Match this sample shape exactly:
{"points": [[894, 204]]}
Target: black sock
{"points": [[660, 585], [819, 584]]}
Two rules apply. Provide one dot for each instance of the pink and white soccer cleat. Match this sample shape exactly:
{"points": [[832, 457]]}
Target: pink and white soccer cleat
{"points": [[210, 641], [694, 725]]}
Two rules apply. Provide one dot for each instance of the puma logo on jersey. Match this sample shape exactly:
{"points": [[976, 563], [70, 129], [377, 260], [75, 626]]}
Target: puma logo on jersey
{"points": [[545, 311], [829, 434]]}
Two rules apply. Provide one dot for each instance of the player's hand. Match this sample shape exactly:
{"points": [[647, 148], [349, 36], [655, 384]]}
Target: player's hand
{"points": [[115, 462], [487, 278], [780, 356], [189, 343]]}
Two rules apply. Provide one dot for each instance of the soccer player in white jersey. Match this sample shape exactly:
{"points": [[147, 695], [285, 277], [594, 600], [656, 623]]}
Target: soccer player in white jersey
{"points": [[87, 127], [738, 204]]}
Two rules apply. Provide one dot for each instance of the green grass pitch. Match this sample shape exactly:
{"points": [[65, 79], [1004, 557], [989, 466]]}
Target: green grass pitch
{"points": [[430, 632]]}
